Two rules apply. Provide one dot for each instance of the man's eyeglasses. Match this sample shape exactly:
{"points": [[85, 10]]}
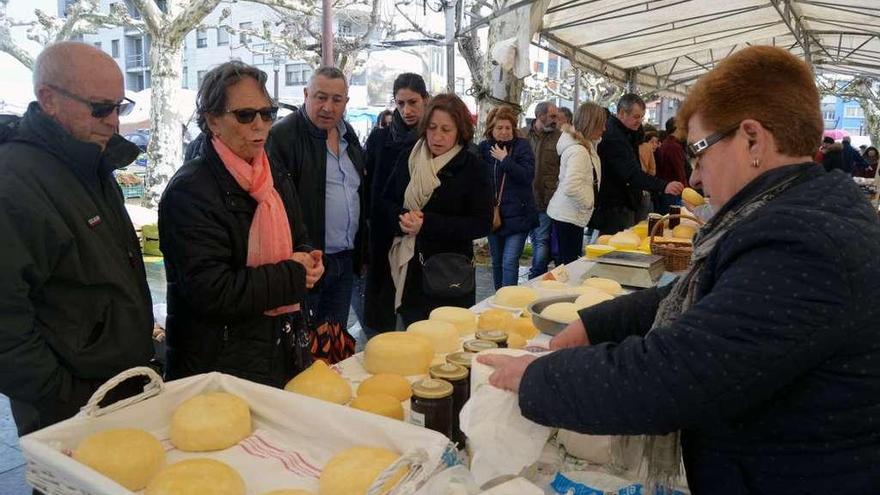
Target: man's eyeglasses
{"points": [[694, 150], [247, 115], [100, 109]]}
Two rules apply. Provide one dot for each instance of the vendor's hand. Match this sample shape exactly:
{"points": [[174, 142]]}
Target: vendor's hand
{"points": [[574, 335], [308, 262], [674, 188], [498, 152], [509, 370], [318, 268], [411, 222]]}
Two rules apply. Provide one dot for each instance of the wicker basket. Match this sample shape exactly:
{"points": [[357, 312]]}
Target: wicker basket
{"points": [[676, 257]]}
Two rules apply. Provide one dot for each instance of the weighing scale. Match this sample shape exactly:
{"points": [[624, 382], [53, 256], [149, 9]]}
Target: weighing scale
{"points": [[628, 268]]}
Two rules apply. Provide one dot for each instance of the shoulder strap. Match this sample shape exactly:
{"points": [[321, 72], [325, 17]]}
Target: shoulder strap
{"points": [[501, 191]]}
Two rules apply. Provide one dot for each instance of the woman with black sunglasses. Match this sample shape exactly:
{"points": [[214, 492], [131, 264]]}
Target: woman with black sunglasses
{"points": [[237, 258]]}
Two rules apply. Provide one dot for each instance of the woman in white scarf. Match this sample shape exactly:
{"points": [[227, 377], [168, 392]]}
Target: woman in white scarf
{"points": [[442, 200]]}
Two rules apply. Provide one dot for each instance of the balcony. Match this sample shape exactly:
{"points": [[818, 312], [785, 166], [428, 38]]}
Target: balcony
{"points": [[135, 61]]}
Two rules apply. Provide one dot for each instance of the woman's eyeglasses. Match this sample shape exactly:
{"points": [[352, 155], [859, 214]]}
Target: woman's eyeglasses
{"points": [[100, 109], [694, 150], [247, 115]]}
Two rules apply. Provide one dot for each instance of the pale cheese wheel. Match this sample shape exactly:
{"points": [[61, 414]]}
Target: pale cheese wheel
{"points": [[210, 421], [383, 405], [442, 334], [525, 327], [197, 477], [563, 312], [464, 320], [625, 240], [321, 382], [684, 231], [603, 239], [515, 340], [495, 319], [591, 298], [515, 296], [352, 471], [386, 384], [552, 285], [606, 284], [692, 196], [400, 353], [290, 492], [127, 456]]}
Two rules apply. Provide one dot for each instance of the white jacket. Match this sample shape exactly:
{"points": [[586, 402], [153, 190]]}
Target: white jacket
{"points": [[573, 201]]}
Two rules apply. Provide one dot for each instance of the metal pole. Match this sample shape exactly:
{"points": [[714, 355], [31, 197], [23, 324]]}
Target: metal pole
{"points": [[577, 88], [327, 33], [276, 83], [450, 45]]}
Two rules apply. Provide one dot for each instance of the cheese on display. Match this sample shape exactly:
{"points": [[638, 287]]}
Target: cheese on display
{"points": [[525, 327], [127, 456], [386, 384], [464, 320], [495, 319], [606, 284], [383, 405], [352, 471], [515, 296], [321, 382], [400, 353], [442, 334], [197, 477], [289, 492], [625, 240], [563, 312], [211, 421], [592, 298]]}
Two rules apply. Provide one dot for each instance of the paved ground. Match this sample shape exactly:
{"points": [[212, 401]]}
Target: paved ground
{"points": [[12, 465]]}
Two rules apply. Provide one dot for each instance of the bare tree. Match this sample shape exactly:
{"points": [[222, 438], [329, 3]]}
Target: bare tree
{"points": [[862, 89]]}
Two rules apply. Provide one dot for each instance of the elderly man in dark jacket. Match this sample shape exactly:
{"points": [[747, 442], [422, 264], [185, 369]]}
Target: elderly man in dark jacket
{"points": [[74, 304], [326, 160], [622, 176]]}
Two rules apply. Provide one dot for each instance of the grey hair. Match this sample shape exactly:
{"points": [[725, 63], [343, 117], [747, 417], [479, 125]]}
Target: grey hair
{"points": [[329, 73], [211, 99], [542, 108], [628, 101]]}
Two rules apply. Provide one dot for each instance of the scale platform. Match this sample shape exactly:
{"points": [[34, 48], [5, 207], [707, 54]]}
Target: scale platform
{"points": [[629, 269]]}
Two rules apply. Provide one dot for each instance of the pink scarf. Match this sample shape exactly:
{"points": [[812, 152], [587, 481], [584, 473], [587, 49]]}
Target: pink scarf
{"points": [[269, 240]]}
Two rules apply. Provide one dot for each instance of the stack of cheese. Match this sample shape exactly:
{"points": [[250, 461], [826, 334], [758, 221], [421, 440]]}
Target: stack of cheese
{"points": [[593, 291]]}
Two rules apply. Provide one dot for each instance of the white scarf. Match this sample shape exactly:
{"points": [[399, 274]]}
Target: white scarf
{"points": [[423, 170]]}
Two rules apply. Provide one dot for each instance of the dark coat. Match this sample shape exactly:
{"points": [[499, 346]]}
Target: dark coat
{"points": [[851, 159], [458, 212], [771, 375], [671, 162], [296, 144], [546, 163], [215, 301], [384, 148], [75, 307], [622, 174], [518, 211]]}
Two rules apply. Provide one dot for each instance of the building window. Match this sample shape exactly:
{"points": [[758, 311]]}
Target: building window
{"points": [[344, 29], [828, 114], [200, 76], [244, 38], [201, 38], [184, 76], [98, 45], [553, 66], [853, 112], [114, 48], [222, 36], [539, 67], [297, 74]]}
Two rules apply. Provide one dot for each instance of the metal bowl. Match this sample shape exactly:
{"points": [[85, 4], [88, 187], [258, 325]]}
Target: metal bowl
{"points": [[549, 325]]}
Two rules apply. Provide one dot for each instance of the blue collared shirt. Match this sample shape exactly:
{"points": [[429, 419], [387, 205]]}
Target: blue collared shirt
{"points": [[342, 203]]}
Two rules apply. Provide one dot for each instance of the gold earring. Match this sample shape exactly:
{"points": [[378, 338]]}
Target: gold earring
{"points": [[756, 163]]}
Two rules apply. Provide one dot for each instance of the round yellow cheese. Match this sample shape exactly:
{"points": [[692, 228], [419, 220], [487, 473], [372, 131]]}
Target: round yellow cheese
{"points": [[605, 284], [591, 298], [625, 240], [525, 327], [692, 197], [383, 405], [211, 421], [515, 296], [495, 319], [442, 334], [127, 456], [515, 340], [386, 384], [352, 471], [641, 230], [552, 285], [289, 492], [464, 319], [321, 382], [563, 312], [684, 231], [603, 239], [197, 477], [400, 353]]}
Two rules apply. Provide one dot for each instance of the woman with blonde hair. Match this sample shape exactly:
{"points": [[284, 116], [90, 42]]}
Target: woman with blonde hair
{"points": [[579, 174], [511, 166]]}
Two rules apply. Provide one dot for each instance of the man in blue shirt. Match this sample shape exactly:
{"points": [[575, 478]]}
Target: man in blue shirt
{"points": [[326, 161]]}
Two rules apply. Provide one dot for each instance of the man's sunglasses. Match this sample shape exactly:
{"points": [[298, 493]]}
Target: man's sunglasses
{"points": [[100, 109], [694, 150], [247, 115]]}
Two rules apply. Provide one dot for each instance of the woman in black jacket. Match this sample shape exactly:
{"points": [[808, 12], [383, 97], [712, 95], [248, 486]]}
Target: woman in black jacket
{"points": [[439, 200], [759, 367], [237, 259], [384, 147]]}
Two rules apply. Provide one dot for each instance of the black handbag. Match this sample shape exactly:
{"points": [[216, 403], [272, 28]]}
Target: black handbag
{"points": [[447, 275]]}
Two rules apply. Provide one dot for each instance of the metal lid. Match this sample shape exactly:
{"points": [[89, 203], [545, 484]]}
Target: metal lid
{"points": [[448, 371], [479, 345], [492, 336], [462, 359], [432, 388]]}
